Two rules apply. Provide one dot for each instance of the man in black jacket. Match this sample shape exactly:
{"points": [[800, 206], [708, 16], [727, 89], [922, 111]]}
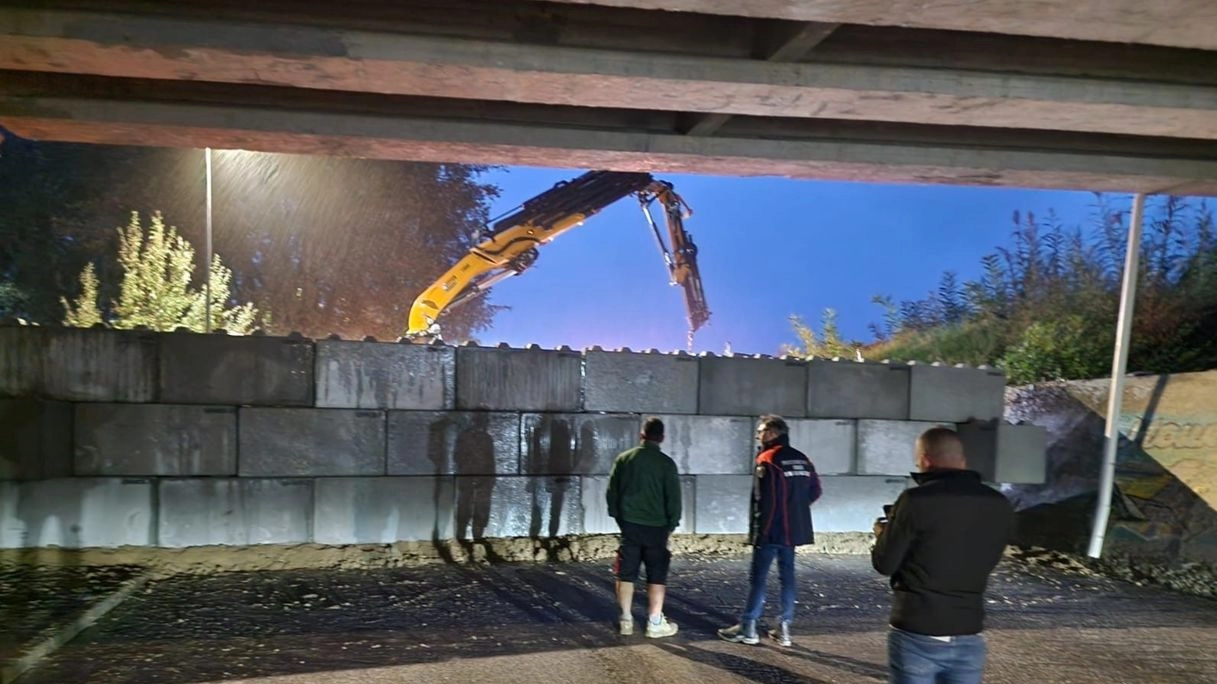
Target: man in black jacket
{"points": [[943, 539], [784, 485]]}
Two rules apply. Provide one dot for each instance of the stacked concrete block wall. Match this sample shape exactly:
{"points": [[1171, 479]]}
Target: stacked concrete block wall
{"points": [[179, 439]]}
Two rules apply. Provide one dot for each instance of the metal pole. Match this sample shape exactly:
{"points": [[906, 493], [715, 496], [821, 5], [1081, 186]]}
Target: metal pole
{"points": [[1119, 365], [207, 263]]}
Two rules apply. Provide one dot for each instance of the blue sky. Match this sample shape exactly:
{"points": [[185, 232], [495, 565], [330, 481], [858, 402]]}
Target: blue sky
{"points": [[768, 248]]}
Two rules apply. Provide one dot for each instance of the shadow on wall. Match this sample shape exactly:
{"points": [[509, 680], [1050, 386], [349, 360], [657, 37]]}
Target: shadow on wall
{"points": [[551, 452], [1166, 466], [472, 459]]}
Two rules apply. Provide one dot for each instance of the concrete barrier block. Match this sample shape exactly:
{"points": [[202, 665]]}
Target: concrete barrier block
{"points": [[709, 445], [382, 510], [100, 365], [574, 443], [1009, 454], [235, 512], [227, 369], [385, 376], [742, 386], [21, 360], [284, 442], [596, 519], [517, 506], [77, 513], [640, 383], [722, 504], [830, 444], [457, 442], [852, 503], [887, 447], [518, 379], [35, 440], [846, 389], [155, 439], [956, 395]]}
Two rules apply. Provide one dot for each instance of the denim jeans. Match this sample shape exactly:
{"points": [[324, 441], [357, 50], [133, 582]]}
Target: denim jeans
{"points": [[762, 558], [920, 659]]}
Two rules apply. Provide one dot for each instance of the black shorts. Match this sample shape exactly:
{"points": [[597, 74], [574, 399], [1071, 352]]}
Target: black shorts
{"points": [[642, 544]]}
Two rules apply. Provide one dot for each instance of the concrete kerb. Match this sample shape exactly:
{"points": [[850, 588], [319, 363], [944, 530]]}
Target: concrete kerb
{"points": [[57, 636]]}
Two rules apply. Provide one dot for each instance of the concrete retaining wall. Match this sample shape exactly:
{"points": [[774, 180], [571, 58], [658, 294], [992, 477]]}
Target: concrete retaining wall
{"points": [[178, 439]]}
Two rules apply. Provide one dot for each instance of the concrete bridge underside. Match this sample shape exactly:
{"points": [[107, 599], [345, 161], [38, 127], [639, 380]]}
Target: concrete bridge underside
{"points": [[1104, 95]]}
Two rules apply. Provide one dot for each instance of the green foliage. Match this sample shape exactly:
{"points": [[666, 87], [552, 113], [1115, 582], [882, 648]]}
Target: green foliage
{"points": [[83, 314], [156, 290], [1044, 306], [825, 346]]}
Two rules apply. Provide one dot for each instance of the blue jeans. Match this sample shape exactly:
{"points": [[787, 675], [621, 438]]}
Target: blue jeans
{"points": [[762, 558], [920, 659]]}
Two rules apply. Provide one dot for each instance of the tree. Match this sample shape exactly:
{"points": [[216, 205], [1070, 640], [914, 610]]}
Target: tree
{"points": [[329, 244], [84, 314], [1045, 306], [156, 292]]}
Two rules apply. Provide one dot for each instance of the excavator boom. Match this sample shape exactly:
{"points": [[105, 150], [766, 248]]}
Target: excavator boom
{"points": [[510, 245]]}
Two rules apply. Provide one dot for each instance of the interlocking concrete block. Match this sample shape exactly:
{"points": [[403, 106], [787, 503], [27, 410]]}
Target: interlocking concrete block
{"points": [[385, 376], [711, 445], [453, 442], [640, 383], [853, 503], [828, 443], [77, 513], [227, 369], [742, 386], [582, 444], [956, 395], [596, 519], [887, 447], [35, 439], [1009, 454], [517, 379], [517, 506], [155, 439], [847, 389], [284, 442], [721, 503], [21, 360], [236, 512], [383, 510], [100, 365]]}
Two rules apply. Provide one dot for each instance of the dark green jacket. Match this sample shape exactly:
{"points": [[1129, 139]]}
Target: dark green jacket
{"points": [[644, 488]]}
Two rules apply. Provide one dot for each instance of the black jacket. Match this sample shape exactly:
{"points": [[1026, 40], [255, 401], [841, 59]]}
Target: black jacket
{"points": [[784, 485], [942, 540]]}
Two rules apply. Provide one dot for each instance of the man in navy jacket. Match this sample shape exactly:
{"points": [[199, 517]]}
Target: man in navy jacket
{"points": [[784, 485]]}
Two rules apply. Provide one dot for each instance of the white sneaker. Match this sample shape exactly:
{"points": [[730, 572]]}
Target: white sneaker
{"points": [[626, 626], [663, 629], [781, 634]]}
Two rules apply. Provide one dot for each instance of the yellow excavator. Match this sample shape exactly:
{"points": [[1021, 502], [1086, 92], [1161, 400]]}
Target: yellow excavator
{"points": [[509, 247]]}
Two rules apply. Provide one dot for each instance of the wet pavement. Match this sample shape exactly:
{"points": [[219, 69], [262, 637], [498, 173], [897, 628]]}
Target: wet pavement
{"points": [[556, 623], [36, 600]]}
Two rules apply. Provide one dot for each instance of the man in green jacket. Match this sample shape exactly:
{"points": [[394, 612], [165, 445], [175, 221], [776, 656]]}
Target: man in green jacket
{"points": [[644, 498]]}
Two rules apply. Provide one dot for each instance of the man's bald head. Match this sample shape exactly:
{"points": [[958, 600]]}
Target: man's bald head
{"points": [[940, 448]]}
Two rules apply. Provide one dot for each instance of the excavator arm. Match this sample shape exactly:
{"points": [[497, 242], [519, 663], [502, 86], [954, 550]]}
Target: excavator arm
{"points": [[682, 259], [510, 246]]}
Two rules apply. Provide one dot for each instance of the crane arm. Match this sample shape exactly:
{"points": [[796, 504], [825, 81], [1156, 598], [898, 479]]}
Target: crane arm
{"points": [[682, 259], [511, 246]]}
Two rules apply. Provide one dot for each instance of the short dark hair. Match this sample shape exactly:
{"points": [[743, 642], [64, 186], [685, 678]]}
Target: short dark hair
{"points": [[652, 429], [773, 422]]}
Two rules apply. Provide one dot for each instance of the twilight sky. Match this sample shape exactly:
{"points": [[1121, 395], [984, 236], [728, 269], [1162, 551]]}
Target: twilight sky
{"points": [[768, 248]]}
